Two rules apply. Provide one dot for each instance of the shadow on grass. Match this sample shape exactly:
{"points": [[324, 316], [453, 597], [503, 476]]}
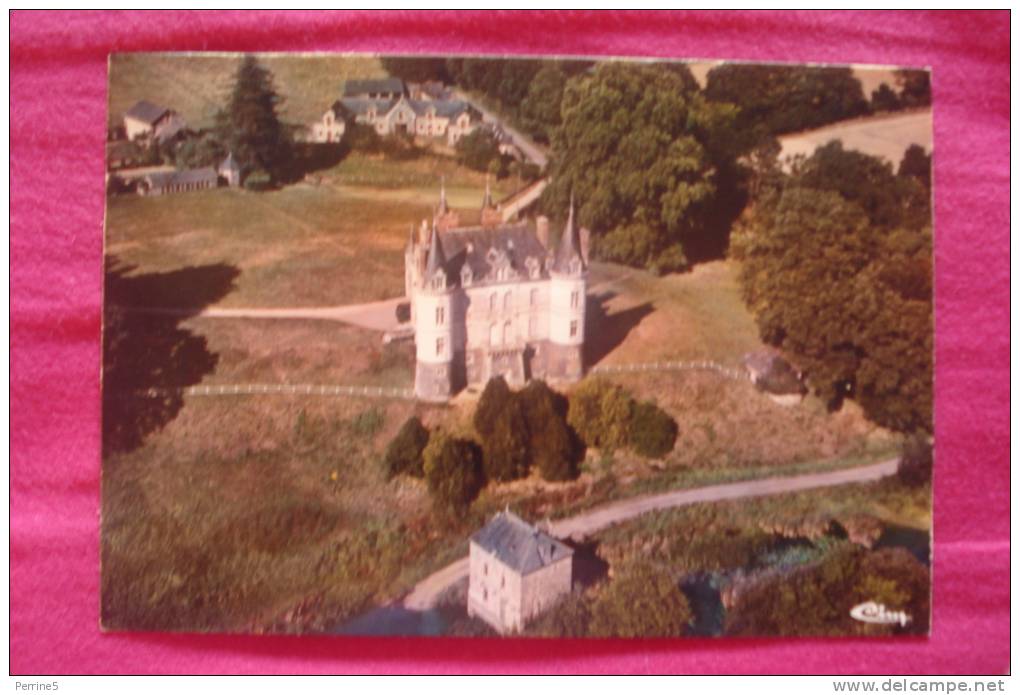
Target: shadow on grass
{"points": [[605, 331], [144, 353]]}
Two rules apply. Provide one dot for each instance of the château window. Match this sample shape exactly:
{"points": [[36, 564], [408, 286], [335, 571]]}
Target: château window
{"points": [[492, 302], [506, 301], [573, 329], [440, 344], [440, 315], [575, 298], [534, 297]]}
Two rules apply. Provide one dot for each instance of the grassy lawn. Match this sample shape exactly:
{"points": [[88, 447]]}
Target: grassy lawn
{"points": [[338, 242]]}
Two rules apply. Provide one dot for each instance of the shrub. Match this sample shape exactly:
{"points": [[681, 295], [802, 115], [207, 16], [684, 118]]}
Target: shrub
{"points": [[641, 601], [500, 423], [453, 472], [600, 413], [496, 397], [258, 180], [404, 453], [652, 431], [553, 447]]}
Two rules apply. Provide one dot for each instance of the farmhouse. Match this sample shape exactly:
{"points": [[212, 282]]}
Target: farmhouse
{"points": [[516, 572], [494, 300], [147, 121], [388, 107]]}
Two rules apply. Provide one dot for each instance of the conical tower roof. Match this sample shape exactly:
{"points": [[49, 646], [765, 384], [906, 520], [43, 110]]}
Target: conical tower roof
{"points": [[436, 259], [570, 244]]}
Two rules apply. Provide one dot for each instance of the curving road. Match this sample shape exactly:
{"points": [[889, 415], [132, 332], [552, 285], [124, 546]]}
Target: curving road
{"points": [[426, 593]]}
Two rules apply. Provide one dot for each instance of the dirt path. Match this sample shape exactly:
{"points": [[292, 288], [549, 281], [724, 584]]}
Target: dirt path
{"points": [[427, 592], [377, 316]]}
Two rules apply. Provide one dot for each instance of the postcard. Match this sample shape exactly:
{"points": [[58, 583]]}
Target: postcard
{"points": [[540, 347]]}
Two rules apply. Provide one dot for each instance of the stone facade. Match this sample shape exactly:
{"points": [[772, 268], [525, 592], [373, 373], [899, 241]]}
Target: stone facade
{"points": [[494, 301], [516, 572]]}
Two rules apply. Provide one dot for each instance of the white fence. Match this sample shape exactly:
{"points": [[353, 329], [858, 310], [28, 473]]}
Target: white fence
{"points": [[408, 394], [703, 365], [289, 389]]}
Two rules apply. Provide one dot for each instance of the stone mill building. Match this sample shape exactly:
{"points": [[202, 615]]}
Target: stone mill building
{"points": [[494, 300], [516, 572]]}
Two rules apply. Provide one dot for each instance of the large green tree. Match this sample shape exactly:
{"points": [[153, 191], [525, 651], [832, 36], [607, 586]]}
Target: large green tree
{"points": [[634, 149], [836, 268], [642, 600], [250, 125]]}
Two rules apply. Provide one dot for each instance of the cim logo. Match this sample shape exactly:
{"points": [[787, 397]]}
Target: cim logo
{"points": [[872, 612]]}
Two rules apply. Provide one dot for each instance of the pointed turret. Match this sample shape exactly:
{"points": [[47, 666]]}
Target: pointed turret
{"points": [[570, 245], [437, 259]]}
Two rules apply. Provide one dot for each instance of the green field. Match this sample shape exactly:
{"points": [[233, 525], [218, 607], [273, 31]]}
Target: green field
{"points": [[197, 85]]}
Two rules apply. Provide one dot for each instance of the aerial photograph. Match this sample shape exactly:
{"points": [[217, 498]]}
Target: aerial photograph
{"points": [[516, 347]]}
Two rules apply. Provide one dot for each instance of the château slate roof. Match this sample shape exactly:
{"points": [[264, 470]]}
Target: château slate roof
{"points": [[570, 245], [392, 85], [146, 112], [518, 544], [471, 246], [436, 259]]}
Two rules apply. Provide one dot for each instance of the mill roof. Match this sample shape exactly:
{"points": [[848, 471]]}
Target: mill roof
{"points": [[518, 544], [471, 247], [391, 85], [173, 178], [146, 112]]}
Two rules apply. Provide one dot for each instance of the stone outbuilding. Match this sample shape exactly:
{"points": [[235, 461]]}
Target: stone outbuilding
{"points": [[516, 572], [163, 182], [775, 376]]}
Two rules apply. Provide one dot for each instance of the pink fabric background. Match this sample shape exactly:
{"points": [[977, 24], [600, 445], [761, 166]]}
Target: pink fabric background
{"points": [[58, 117]]}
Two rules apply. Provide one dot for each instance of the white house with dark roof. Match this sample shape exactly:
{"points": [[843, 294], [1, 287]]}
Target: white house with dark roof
{"points": [[516, 572], [386, 106], [148, 121], [494, 300]]}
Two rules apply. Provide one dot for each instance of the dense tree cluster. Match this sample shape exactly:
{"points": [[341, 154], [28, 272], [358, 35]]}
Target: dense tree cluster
{"points": [[642, 155], [604, 415], [525, 429], [836, 268], [478, 150], [816, 599], [526, 90], [642, 600], [776, 99]]}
